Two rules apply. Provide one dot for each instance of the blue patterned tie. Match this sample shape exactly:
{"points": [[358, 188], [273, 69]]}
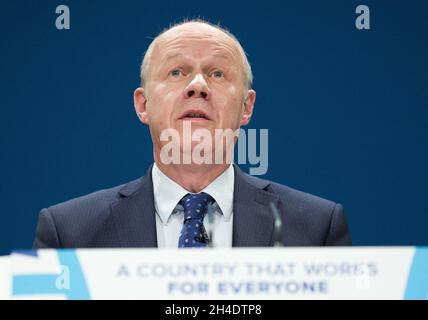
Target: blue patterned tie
{"points": [[193, 234]]}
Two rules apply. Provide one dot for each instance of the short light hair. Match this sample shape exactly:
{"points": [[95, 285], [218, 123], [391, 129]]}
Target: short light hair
{"points": [[145, 65]]}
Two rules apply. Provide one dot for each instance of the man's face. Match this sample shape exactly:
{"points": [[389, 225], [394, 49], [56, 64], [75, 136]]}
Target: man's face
{"points": [[195, 75]]}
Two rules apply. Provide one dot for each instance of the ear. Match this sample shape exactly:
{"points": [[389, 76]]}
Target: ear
{"points": [[248, 107], [140, 105]]}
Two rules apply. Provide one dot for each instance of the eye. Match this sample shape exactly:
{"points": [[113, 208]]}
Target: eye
{"points": [[175, 72], [217, 74]]}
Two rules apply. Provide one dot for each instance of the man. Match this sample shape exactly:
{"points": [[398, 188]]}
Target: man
{"points": [[196, 75]]}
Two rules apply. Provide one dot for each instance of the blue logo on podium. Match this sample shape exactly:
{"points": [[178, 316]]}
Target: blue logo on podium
{"points": [[38, 284]]}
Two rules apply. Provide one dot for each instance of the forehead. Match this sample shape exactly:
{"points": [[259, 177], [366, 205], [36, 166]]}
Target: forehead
{"points": [[197, 39]]}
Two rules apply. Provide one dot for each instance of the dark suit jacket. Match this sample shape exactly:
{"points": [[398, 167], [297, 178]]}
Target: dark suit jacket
{"points": [[124, 216]]}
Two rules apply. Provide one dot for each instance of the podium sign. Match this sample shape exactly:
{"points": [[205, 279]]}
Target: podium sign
{"points": [[238, 273]]}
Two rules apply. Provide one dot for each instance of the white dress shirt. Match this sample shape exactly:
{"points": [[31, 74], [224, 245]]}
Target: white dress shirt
{"points": [[170, 214]]}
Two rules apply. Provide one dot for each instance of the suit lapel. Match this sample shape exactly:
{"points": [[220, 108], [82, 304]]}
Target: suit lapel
{"points": [[253, 221], [134, 213]]}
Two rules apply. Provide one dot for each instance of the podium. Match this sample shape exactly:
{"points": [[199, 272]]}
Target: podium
{"points": [[211, 274]]}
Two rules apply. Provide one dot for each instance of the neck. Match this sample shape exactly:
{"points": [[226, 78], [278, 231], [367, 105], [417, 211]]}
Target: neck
{"points": [[192, 177]]}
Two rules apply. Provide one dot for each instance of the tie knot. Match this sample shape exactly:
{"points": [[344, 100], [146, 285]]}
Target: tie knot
{"points": [[195, 205]]}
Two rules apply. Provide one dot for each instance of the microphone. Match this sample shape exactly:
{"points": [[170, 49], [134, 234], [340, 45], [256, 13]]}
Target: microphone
{"points": [[277, 232]]}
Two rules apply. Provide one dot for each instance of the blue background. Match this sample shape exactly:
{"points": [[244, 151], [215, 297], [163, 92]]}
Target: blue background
{"points": [[347, 110]]}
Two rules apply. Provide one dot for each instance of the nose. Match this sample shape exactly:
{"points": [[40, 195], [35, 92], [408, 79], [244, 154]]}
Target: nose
{"points": [[197, 88]]}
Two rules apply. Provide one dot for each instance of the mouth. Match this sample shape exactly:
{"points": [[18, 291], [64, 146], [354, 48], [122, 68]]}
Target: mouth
{"points": [[194, 115]]}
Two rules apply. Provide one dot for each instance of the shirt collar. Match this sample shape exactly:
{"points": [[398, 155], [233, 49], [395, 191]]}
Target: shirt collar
{"points": [[167, 193], [221, 189]]}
